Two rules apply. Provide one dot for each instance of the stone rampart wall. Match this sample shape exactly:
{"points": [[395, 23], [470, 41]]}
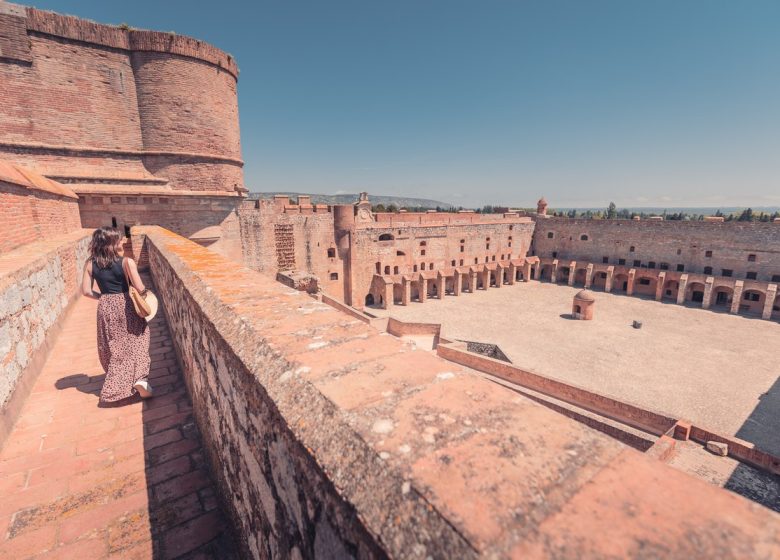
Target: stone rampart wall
{"points": [[88, 104], [331, 439], [38, 281], [673, 243]]}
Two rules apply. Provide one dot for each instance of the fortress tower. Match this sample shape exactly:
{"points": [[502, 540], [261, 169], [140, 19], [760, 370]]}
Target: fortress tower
{"points": [[142, 125]]}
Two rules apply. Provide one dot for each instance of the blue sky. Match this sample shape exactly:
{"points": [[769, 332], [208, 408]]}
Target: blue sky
{"points": [[660, 103]]}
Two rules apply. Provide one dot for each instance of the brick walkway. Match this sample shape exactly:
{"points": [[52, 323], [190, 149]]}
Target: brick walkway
{"points": [[83, 482]]}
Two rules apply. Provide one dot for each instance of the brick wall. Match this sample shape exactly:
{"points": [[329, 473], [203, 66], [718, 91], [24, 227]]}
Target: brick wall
{"points": [[30, 215], [37, 283], [671, 242], [95, 104]]}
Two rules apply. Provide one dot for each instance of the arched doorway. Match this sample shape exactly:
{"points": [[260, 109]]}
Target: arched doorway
{"points": [[620, 283], [645, 285], [398, 293], [671, 289], [599, 281], [695, 292], [722, 297], [580, 275], [752, 302], [369, 300], [563, 274], [776, 309]]}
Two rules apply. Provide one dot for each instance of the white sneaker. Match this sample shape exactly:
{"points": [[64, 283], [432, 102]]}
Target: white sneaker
{"points": [[144, 389]]}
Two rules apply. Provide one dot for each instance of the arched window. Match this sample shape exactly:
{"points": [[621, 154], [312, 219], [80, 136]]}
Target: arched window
{"points": [[631, 249], [583, 237], [395, 270], [387, 269], [423, 243], [452, 262], [331, 253], [422, 266], [415, 268], [386, 237]]}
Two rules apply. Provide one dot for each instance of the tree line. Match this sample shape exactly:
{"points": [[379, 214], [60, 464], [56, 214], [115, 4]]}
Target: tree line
{"points": [[613, 213]]}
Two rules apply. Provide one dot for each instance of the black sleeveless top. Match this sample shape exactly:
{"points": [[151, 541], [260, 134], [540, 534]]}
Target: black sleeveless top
{"points": [[110, 280]]}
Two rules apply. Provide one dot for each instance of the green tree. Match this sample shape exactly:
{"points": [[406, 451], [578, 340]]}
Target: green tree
{"points": [[611, 211]]}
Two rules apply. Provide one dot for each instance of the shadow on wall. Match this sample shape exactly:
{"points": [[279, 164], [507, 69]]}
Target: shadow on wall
{"points": [[183, 515], [762, 427]]}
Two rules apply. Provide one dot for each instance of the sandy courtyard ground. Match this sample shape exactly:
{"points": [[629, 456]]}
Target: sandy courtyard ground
{"points": [[720, 370]]}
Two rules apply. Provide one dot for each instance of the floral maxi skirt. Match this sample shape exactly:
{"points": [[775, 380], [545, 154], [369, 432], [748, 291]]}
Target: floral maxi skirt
{"points": [[123, 346]]}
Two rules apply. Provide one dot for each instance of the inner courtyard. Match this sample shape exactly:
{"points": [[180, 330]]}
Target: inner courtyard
{"points": [[716, 369]]}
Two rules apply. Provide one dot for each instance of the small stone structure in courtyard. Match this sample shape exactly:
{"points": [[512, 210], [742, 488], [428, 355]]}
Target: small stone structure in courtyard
{"points": [[582, 307]]}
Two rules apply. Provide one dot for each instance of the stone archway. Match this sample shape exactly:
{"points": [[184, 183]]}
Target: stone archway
{"points": [[722, 297], [563, 274], [599, 281], [645, 285], [620, 283], [694, 292], [546, 272], [580, 275], [752, 302], [369, 300], [671, 289]]}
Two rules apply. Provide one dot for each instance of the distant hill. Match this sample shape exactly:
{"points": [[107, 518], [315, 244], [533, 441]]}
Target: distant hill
{"points": [[399, 201]]}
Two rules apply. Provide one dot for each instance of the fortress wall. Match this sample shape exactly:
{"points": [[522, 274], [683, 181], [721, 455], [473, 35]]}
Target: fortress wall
{"points": [[87, 101], [38, 282], [442, 247], [673, 242], [186, 215], [31, 215], [313, 464], [33, 208]]}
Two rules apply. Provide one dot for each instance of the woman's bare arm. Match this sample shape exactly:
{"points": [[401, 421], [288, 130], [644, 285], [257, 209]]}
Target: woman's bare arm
{"points": [[135, 278], [86, 282]]}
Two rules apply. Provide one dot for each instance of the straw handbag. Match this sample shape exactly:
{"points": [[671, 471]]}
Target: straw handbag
{"points": [[145, 306]]}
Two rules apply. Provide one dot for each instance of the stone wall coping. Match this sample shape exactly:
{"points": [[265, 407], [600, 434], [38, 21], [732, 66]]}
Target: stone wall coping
{"points": [[551, 221], [28, 179], [78, 29], [437, 460], [16, 263]]}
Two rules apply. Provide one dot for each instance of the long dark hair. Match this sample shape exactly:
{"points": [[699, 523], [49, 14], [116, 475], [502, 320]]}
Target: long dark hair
{"points": [[102, 248]]}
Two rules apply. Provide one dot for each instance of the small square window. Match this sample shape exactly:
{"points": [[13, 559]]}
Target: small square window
{"points": [[708, 254], [679, 251], [461, 248], [422, 253], [555, 254], [776, 278], [549, 235], [631, 249], [622, 262], [751, 275], [751, 258], [651, 264], [605, 260], [707, 270], [726, 272], [637, 263], [664, 266], [334, 275], [680, 268]]}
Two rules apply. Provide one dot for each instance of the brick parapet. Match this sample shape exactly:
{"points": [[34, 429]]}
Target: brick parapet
{"points": [[85, 31], [320, 429]]}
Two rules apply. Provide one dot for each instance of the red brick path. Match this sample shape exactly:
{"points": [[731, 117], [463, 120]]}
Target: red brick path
{"points": [[83, 482]]}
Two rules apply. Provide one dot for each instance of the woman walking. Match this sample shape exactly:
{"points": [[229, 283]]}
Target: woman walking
{"points": [[122, 336]]}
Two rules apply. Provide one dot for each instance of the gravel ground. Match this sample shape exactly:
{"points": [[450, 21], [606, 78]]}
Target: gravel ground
{"points": [[716, 369]]}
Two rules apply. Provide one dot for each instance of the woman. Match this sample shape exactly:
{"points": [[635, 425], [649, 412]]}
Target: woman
{"points": [[122, 336]]}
